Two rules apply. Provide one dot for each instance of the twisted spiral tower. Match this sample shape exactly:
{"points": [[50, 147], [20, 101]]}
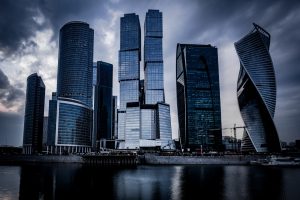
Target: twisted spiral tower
{"points": [[256, 92]]}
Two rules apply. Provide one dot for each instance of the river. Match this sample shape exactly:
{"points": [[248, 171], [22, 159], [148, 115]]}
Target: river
{"points": [[74, 181]]}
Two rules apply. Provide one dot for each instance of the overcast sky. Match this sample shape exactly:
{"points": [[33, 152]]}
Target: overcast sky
{"points": [[29, 43]]}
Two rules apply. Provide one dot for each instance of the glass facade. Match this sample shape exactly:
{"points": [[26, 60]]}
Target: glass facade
{"points": [[70, 110], [121, 124], [133, 126], [256, 91], [52, 115], [129, 67], [129, 92], [153, 58], [198, 96], [139, 117], [74, 125], [75, 62], [130, 33], [148, 122], [114, 117], [45, 129], [34, 115], [164, 132], [103, 102]]}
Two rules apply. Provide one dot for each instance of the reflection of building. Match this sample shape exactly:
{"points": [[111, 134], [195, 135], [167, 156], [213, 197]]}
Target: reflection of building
{"points": [[103, 104], [143, 117], [70, 110], [34, 115], [256, 90], [198, 96]]}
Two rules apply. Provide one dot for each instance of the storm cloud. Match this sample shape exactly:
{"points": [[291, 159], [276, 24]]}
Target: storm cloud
{"points": [[29, 31], [10, 96]]}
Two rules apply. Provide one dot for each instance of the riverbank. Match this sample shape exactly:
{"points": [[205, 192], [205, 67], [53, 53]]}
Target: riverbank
{"points": [[20, 159], [198, 160], [146, 159]]}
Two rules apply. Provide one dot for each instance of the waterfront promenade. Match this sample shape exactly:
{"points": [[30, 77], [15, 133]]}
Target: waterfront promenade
{"points": [[148, 158]]}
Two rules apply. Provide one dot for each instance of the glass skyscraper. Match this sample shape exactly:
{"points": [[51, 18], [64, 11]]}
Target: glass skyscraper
{"points": [[129, 67], [70, 110], [34, 115], [256, 92], [153, 58], [103, 103], [143, 117], [198, 97]]}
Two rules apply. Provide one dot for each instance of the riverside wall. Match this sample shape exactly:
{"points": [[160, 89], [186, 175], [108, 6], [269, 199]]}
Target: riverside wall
{"points": [[19, 159], [148, 158], [197, 160]]}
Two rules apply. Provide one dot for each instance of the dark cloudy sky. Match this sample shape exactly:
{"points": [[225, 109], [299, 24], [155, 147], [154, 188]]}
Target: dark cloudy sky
{"points": [[29, 43]]}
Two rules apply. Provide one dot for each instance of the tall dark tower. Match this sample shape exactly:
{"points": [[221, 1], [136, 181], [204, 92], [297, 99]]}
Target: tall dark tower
{"points": [[198, 97], [75, 62], [153, 58], [103, 103], [256, 92], [34, 115], [70, 129]]}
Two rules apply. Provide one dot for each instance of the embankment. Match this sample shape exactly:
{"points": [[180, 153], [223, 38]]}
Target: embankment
{"points": [[19, 159], [197, 160]]}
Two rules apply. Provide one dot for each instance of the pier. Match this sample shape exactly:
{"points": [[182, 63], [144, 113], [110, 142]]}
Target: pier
{"points": [[110, 160]]}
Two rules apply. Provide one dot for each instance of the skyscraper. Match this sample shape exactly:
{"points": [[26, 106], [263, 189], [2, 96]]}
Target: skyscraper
{"points": [[75, 62], [198, 96], [154, 80], [129, 67], [103, 103], [256, 92], [143, 117], [34, 115], [71, 127], [153, 58]]}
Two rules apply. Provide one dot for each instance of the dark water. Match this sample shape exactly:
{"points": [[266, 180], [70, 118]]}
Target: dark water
{"points": [[72, 181]]}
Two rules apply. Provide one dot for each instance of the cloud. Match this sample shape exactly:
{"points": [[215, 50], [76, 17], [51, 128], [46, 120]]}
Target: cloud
{"points": [[10, 96], [16, 24], [11, 129], [4, 83]]}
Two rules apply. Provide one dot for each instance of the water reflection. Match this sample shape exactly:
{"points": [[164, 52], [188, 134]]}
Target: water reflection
{"points": [[9, 182], [253, 183], [72, 181], [69, 181]]}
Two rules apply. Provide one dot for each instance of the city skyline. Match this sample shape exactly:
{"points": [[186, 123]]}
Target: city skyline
{"points": [[34, 49]]}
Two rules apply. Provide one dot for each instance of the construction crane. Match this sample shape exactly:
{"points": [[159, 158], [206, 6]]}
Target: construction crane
{"points": [[234, 133]]}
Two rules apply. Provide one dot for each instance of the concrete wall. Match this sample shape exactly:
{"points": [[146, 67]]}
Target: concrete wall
{"points": [[194, 160]]}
